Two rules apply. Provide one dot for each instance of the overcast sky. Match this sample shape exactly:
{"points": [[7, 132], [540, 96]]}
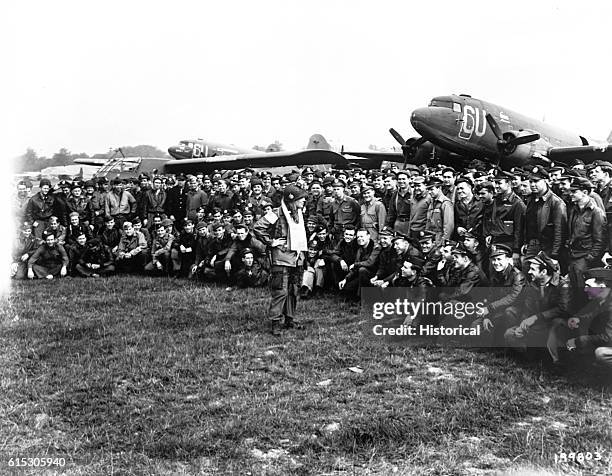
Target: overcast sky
{"points": [[89, 76]]}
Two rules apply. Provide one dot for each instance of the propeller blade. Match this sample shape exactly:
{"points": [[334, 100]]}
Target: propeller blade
{"points": [[396, 135], [494, 127], [523, 139], [415, 142]]}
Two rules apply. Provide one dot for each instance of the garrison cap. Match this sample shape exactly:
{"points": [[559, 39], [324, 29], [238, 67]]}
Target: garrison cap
{"points": [[600, 274], [500, 250]]}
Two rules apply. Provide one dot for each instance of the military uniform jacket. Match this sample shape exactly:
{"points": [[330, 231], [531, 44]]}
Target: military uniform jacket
{"points": [[73, 232], [95, 254], [546, 302], [344, 251], [272, 226], [110, 237], [440, 219], [24, 246], [324, 206], [373, 216], [587, 232], [40, 207], [119, 204], [504, 219], [463, 280], [399, 207], [161, 244], [237, 246], [387, 259], [595, 324], [345, 212], [202, 244], [154, 201], [469, 215], [366, 257], [418, 212], [195, 199], [176, 203], [132, 244], [49, 257], [81, 206], [512, 281], [546, 217]]}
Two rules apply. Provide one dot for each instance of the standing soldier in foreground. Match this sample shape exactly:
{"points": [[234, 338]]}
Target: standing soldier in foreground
{"points": [[282, 231]]}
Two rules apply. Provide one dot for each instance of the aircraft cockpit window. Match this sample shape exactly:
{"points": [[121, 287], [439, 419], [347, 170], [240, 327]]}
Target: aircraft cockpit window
{"points": [[186, 145], [441, 103], [456, 107]]}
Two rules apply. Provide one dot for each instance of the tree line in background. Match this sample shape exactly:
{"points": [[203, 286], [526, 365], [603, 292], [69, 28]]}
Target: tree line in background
{"points": [[31, 162]]}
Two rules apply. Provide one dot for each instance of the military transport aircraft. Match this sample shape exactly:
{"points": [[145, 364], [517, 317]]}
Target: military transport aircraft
{"points": [[475, 129]]}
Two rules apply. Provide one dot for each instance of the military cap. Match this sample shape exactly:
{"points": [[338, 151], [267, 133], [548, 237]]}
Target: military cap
{"points": [[500, 250], [73, 214], [265, 203], [247, 210], [26, 226], [256, 181], [167, 222], [466, 180], [480, 173], [367, 188], [459, 249], [246, 251], [284, 180], [314, 181], [544, 261], [127, 224], [188, 221], [450, 243], [63, 184], [600, 274], [426, 236], [217, 225], [467, 234], [311, 219], [501, 175], [77, 184], [200, 225], [387, 231], [320, 228], [604, 164], [418, 179], [117, 181], [89, 183], [144, 176], [108, 218], [556, 168], [293, 193], [338, 183], [136, 221], [44, 182], [434, 182], [181, 178], [487, 185], [307, 171], [580, 183], [570, 174], [102, 180], [416, 262], [328, 181], [401, 236], [538, 173]]}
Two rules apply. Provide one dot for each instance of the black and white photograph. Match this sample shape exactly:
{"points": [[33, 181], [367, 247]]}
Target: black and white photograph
{"points": [[310, 238]]}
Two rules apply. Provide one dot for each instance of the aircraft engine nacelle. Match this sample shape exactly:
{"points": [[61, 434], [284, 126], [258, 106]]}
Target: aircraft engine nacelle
{"points": [[521, 154]]}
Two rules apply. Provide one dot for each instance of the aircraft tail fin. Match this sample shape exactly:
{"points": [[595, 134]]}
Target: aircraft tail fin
{"points": [[610, 138], [317, 141]]}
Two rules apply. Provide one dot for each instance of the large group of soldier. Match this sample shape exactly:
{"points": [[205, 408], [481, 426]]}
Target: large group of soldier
{"points": [[537, 237]]}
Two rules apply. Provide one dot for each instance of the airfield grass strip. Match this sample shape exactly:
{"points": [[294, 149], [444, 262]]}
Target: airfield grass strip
{"points": [[136, 375]]}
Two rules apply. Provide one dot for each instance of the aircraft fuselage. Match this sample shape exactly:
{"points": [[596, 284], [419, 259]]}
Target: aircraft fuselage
{"points": [[459, 124]]}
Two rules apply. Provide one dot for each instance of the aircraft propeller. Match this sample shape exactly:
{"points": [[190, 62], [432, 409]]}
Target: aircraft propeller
{"points": [[409, 147], [507, 146]]}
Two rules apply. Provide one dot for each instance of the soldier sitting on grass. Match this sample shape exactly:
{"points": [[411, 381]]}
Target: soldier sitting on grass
{"points": [[49, 261]]}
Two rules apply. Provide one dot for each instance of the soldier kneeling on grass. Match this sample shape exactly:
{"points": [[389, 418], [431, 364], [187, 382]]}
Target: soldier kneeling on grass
{"points": [[49, 261], [131, 252], [161, 246], [251, 273], [24, 247]]}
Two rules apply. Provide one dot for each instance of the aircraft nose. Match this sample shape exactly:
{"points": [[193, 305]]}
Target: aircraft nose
{"points": [[420, 117]]}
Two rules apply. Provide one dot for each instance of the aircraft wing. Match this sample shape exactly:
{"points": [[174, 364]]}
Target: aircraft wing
{"points": [[267, 159], [370, 154], [99, 162], [586, 153]]}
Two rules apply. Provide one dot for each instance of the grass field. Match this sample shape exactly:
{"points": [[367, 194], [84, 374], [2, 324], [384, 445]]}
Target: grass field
{"points": [[134, 375]]}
